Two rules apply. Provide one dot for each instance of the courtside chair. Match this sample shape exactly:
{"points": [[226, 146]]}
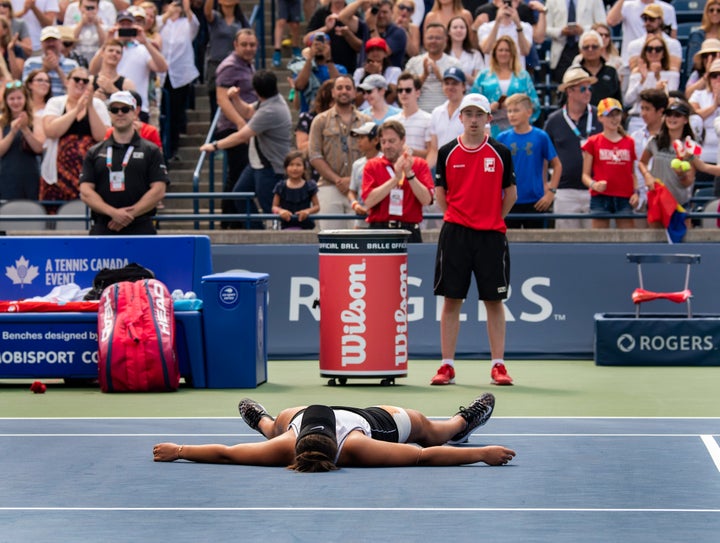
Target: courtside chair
{"points": [[21, 207], [640, 295], [711, 208], [73, 207]]}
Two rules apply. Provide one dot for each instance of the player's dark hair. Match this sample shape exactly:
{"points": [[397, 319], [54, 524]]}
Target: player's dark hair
{"points": [[314, 453]]}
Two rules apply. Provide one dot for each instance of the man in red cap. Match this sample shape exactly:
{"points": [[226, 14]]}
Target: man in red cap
{"points": [[377, 61]]}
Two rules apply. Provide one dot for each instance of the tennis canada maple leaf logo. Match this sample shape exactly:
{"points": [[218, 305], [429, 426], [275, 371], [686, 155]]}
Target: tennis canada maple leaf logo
{"points": [[21, 273]]}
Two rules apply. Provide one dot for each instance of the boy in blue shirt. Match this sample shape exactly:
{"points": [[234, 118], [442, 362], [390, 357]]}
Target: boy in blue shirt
{"points": [[532, 154]]}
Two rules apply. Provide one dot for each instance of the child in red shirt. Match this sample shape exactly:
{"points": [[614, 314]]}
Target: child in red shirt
{"points": [[608, 168]]}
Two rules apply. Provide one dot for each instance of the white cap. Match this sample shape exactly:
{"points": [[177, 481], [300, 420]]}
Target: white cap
{"points": [[475, 100], [50, 32], [122, 97]]}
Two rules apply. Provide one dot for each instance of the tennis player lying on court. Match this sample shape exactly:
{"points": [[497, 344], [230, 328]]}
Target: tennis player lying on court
{"points": [[322, 438]]}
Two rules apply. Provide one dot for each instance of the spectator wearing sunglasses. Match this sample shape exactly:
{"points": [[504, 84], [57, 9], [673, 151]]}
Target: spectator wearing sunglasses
{"points": [[124, 177], [404, 17], [709, 29], [630, 14], [73, 123], [702, 60], [52, 60], [652, 71], [654, 26], [591, 60], [88, 28]]}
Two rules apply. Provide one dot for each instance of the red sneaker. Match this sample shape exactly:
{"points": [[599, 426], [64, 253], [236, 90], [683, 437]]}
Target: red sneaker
{"points": [[445, 376], [499, 375]]}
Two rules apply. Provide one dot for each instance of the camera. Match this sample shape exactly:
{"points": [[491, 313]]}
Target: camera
{"points": [[508, 3], [374, 10], [320, 38], [127, 32]]}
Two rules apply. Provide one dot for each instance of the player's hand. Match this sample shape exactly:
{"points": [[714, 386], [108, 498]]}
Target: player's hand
{"points": [[165, 452], [496, 455]]}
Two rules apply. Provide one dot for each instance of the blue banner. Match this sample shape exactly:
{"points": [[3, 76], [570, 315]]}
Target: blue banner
{"points": [[556, 289]]}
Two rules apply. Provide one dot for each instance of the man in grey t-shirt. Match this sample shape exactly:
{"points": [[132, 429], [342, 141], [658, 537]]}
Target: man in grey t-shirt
{"points": [[268, 132]]}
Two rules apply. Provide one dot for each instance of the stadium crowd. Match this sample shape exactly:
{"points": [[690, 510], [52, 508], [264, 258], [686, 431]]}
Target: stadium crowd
{"points": [[594, 132]]}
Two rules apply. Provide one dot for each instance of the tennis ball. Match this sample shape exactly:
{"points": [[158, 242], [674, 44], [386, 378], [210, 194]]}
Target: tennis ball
{"points": [[676, 164], [685, 166]]}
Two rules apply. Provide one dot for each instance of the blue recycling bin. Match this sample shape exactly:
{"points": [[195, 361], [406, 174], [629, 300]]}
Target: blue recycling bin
{"points": [[235, 327]]}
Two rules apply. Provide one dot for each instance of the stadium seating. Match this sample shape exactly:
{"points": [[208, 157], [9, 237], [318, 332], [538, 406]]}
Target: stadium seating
{"points": [[21, 207]]}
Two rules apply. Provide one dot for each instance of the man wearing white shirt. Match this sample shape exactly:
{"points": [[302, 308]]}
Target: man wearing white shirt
{"points": [[629, 13], [37, 14], [506, 23], [652, 17], [565, 35], [415, 120], [430, 66], [139, 59]]}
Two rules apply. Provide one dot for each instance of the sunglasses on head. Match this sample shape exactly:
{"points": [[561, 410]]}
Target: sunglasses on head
{"points": [[13, 84], [654, 49], [591, 47], [118, 109], [407, 90], [80, 80]]}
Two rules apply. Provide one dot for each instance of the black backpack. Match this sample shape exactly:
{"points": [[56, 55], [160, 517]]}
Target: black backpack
{"points": [[108, 276]]}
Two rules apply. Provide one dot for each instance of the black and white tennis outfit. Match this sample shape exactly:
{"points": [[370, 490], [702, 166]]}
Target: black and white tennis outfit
{"points": [[374, 422]]}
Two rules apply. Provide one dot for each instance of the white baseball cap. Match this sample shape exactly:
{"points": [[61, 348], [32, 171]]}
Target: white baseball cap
{"points": [[122, 97], [475, 100]]}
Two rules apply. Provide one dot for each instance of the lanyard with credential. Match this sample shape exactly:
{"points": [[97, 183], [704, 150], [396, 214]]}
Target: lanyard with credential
{"points": [[117, 179], [574, 127]]}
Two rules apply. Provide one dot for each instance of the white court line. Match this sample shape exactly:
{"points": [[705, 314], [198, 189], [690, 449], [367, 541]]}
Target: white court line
{"points": [[368, 509], [713, 449]]}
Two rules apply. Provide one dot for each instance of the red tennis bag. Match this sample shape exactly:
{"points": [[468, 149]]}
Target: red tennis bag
{"points": [[136, 336]]}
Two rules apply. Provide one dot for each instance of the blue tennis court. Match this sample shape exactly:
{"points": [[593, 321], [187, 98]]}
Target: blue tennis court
{"points": [[589, 479]]}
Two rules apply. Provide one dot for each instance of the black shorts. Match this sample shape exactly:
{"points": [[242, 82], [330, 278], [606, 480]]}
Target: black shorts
{"points": [[382, 423], [463, 252]]}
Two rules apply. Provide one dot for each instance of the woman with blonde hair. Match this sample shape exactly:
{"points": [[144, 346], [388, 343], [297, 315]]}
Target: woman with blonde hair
{"points": [[20, 145], [151, 24], [504, 77], [18, 27], [445, 10]]}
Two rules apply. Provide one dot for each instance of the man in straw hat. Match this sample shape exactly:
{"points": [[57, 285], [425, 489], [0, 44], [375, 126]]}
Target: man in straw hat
{"points": [[568, 129], [475, 189]]}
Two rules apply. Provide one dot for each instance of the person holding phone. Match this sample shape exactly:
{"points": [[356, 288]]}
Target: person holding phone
{"points": [[138, 61]]}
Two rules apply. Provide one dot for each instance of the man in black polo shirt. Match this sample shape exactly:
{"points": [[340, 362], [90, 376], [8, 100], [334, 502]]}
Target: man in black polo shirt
{"points": [[123, 177]]}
